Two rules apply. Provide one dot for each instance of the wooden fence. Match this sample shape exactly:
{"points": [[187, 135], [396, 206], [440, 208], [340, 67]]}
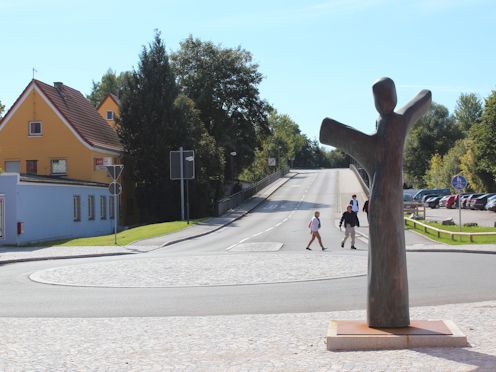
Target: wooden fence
{"points": [[452, 234]]}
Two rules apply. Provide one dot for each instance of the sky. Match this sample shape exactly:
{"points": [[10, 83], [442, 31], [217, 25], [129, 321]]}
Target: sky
{"points": [[319, 58]]}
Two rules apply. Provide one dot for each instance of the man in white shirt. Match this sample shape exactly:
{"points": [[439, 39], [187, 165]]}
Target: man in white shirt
{"points": [[314, 227], [354, 204]]}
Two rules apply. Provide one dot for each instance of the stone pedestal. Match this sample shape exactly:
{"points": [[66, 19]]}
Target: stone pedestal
{"points": [[351, 335]]}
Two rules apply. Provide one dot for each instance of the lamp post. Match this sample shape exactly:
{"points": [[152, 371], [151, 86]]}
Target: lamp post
{"points": [[233, 154], [188, 158]]}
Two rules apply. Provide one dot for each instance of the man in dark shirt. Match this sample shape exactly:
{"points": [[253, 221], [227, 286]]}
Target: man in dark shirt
{"points": [[350, 220]]}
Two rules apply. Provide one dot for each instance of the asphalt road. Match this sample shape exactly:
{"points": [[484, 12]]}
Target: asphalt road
{"points": [[434, 278]]}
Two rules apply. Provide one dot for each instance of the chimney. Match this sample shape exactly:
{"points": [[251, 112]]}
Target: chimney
{"points": [[60, 88]]}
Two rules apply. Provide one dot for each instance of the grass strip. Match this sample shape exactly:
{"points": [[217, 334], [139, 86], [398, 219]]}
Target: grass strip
{"points": [[127, 236], [459, 240]]}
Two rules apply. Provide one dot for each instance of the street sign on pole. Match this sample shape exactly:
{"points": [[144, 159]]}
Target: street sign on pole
{"points": [[115, 188], [272, 162], [188, 165], [182, 167], [114, 171], [459, 183]]}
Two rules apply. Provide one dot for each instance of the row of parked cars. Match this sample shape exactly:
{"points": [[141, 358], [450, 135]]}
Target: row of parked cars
{"points": [[435, 198]]}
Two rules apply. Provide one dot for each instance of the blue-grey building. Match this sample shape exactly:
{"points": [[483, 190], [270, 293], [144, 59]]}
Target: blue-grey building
{"points": [[35, 209]]}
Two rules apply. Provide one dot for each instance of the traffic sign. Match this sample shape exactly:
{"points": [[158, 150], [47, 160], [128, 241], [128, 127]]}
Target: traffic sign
{"points": [[459, 182], [114, 171], [115, 188], [188, 165]]}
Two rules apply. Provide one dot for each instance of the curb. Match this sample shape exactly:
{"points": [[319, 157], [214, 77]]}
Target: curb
{"points": [[31, 259]]}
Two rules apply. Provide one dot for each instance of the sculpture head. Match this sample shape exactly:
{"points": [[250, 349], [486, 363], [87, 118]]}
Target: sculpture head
{"points": [[384, 96]]}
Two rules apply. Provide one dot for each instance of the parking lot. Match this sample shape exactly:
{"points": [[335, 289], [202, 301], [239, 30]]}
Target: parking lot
{"points": [[482, 218]]}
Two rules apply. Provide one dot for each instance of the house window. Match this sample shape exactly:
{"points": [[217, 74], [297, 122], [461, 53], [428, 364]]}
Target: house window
{"points": [[91, 207], [111, 207], [76, 201], [110, 115], [32, 166], [34, 129], [59, 167], [103, 207]]}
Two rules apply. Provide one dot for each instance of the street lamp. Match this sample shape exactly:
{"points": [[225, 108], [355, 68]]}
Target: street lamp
{"points": [[190, 159], [233, 154]]}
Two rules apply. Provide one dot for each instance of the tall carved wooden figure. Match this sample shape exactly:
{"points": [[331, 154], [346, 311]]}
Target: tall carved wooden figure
{"points": [[381, 155]]}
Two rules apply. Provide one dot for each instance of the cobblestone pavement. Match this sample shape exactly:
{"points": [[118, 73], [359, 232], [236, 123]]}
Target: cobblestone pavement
{"points": [[282, 342], [224, 269]]}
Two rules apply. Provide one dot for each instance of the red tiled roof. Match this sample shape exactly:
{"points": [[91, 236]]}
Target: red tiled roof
{"points": [[82, 116], [113, 97]]}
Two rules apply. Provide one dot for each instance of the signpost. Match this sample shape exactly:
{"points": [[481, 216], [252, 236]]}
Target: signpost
{"points": [[459, 183], [182, 167], [115, 189]]}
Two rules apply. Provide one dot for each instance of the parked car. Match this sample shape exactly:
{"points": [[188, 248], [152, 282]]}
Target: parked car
{"points": [[463, 200], [432, 202], [419, 194], [444, 200], [468, 200], [452, 201], [491, 203], [480, 202], [427, 196]]}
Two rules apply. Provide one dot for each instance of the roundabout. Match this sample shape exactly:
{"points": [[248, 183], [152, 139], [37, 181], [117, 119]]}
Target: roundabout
{"points": [[206, 270]]}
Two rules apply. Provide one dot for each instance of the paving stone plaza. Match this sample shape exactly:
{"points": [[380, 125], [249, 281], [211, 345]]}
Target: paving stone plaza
{"points": [[282, 342]]}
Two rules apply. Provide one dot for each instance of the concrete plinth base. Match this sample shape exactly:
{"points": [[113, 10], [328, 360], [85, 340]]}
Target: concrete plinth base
{"points": [[349, 335]]}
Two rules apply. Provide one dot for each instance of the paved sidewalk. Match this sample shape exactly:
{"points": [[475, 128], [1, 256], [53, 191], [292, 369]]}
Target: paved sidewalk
{"points": [[19, 254], [275, 342]]}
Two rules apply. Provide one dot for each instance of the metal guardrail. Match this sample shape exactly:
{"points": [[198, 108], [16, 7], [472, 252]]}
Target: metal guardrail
{"points": [[234, 200], [452, 234]]}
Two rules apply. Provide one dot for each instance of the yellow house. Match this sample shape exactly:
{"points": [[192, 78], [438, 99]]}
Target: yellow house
{"points": [[55, 131], [109, 109]]}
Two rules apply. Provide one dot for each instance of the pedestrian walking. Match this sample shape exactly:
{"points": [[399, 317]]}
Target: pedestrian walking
{"points": [[350, 220], [354, 204], [314, 227], [366, 208]]}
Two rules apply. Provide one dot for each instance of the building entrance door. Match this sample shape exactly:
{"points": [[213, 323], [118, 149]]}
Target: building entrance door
{"points": [[13, 166]]}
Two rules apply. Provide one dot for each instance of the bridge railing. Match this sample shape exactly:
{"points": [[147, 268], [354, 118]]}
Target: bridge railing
{"points": [[234, 200]]}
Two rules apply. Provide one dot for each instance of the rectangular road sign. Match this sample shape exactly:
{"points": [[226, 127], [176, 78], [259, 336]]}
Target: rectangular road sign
{"points": [[188, 165]]}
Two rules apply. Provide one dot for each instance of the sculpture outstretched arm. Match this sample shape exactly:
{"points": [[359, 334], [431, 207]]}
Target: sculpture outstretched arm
{"points": [[417, 107], [355, 143]]}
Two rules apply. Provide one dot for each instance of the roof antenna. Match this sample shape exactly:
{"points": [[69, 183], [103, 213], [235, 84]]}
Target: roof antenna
{"points": [[34, 70]]}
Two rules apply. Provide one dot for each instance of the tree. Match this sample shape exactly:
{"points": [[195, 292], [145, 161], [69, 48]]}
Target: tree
{"points": [[2, 108], [223, 83], [110, 83], [338, 159], [469, 167], [443, 169], [483, 135], [209, 158], [434, 133], [147, 131], [468, 111]]}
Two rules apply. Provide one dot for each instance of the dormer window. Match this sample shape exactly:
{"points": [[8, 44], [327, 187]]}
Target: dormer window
{"points": [[35, 129], [110, 115]]}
